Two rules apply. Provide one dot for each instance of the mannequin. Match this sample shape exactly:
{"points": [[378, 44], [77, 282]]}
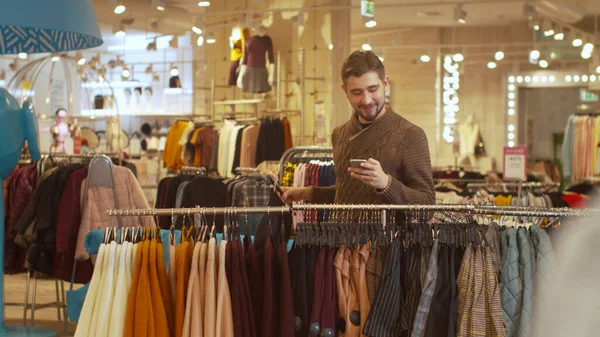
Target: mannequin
{"points": [[61, 130], [238, 37], [469, 136], [254, 76]]}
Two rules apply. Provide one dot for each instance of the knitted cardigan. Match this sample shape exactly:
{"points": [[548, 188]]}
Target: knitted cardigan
{"points": [[402, 149]]}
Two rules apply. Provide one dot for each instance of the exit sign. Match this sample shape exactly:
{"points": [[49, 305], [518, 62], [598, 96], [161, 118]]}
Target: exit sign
{"points": [[367, 8]]}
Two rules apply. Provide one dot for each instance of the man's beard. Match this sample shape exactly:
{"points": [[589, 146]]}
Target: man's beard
{"points": [[370, 118]]}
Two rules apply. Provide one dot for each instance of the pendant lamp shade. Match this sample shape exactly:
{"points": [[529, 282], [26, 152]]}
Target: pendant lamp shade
{"points": [[44, 26]]}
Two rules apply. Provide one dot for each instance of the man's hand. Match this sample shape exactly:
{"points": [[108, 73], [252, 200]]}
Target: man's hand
{"points": [[371, 173], [293, 194]]}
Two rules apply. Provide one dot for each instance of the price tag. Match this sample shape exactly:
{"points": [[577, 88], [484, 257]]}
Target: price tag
{"points": [[367, 8], [515, 163]]}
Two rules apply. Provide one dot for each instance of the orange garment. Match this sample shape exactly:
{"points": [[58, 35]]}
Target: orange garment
{"points": [[165, 289], [198, 149], [131, 299], [159, 317], [350, 271], [287, 134], [143, 325], [363, 292], [183, 255], [341, 286], [172, 153]]}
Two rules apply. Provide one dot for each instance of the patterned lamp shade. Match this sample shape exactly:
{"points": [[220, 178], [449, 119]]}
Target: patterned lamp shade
{"points": [[45, 26]]}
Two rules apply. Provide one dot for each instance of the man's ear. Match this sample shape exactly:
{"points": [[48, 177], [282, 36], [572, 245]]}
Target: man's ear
{"points": [[343, 87], [386, 81]]}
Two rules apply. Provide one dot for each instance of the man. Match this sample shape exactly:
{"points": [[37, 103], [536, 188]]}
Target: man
{"points": [[398, 169]]}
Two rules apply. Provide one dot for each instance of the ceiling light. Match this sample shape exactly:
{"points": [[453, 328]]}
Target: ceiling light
{"points": [[511, 143], [204, 4], [511, 128], [511, 79], [527, 79], [425, 58], [589, 47], [499, 56], [460, 15], [210, 38], [330, 46], [366, 47], [511, 95], [55, 57], [159, 4], [559, 36], [370, 23], [577, 42], [120, 9], [584, 78], [535, 24], [543, 63], [79, 58], [511, 112], [511, 87], [197, 30], [576, 78], [126, 73], [511, 136], [22, 56], [598, 69], [586, 55], [380, 58], [458, 57], [119, 30], [174, 71], [548, 29], [568, 78], [551, 78], [200, 41], [520, 79], [592, 78], [491, 65], [534, 54]]}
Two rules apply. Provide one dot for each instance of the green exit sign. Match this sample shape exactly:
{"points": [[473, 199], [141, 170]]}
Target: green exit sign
{"points": [[367, 8]]}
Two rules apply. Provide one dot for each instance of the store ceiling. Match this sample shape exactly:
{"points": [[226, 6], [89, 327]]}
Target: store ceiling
{"points": [[390, 14]]}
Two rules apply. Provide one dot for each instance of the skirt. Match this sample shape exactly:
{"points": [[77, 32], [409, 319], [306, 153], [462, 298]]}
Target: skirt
{"points": [[256, 80]]}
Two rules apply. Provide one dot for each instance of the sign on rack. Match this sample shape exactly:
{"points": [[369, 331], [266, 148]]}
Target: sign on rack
{"points": [[367, 8], [515, 163]]}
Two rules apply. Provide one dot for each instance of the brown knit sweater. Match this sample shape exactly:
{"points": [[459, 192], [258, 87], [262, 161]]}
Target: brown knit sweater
{"points": [[401, 148]]}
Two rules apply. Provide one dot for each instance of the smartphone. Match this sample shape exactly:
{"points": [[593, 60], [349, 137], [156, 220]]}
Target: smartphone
{"points": [[357, 162]]}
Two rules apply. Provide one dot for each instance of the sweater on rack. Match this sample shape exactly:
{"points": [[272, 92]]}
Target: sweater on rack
{"points": [[402, 149]]}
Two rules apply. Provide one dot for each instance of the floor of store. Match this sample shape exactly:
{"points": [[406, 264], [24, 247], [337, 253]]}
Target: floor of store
{"points": [[44, 318]]}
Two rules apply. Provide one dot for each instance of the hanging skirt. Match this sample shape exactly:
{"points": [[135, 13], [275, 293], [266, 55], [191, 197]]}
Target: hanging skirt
{"points": [[256, 80]]}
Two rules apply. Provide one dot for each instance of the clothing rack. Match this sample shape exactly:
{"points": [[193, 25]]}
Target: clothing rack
{"points": [[305, 150], [514, 184], [470, 209], [458, 180], [242, 170], [193, 170]]}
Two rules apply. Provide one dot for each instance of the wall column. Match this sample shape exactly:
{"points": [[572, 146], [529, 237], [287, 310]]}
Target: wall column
{"points": [[340, 38]]}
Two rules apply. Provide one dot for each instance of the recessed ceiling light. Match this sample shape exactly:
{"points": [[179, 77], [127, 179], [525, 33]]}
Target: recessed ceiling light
{"points": [[204, 4], [120, 9]]}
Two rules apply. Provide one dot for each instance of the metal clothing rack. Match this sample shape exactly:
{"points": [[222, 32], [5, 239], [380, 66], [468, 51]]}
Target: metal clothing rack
{"points": [[471, 209], [306, 151], [513, 184], [193, 170], [242, 170]]}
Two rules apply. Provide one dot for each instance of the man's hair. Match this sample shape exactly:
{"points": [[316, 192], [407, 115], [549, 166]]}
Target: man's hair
{"points": [[361, 62]]}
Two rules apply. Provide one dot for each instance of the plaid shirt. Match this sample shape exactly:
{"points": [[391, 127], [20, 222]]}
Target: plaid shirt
{"points": [[253, 193], [427, 297], [479, 307]]}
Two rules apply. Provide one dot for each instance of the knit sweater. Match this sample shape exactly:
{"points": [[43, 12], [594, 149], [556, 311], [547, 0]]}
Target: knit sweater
{"points": [[402, 149]]}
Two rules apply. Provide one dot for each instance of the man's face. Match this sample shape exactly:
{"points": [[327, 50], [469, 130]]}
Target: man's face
{"points": [[366, 94]]}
